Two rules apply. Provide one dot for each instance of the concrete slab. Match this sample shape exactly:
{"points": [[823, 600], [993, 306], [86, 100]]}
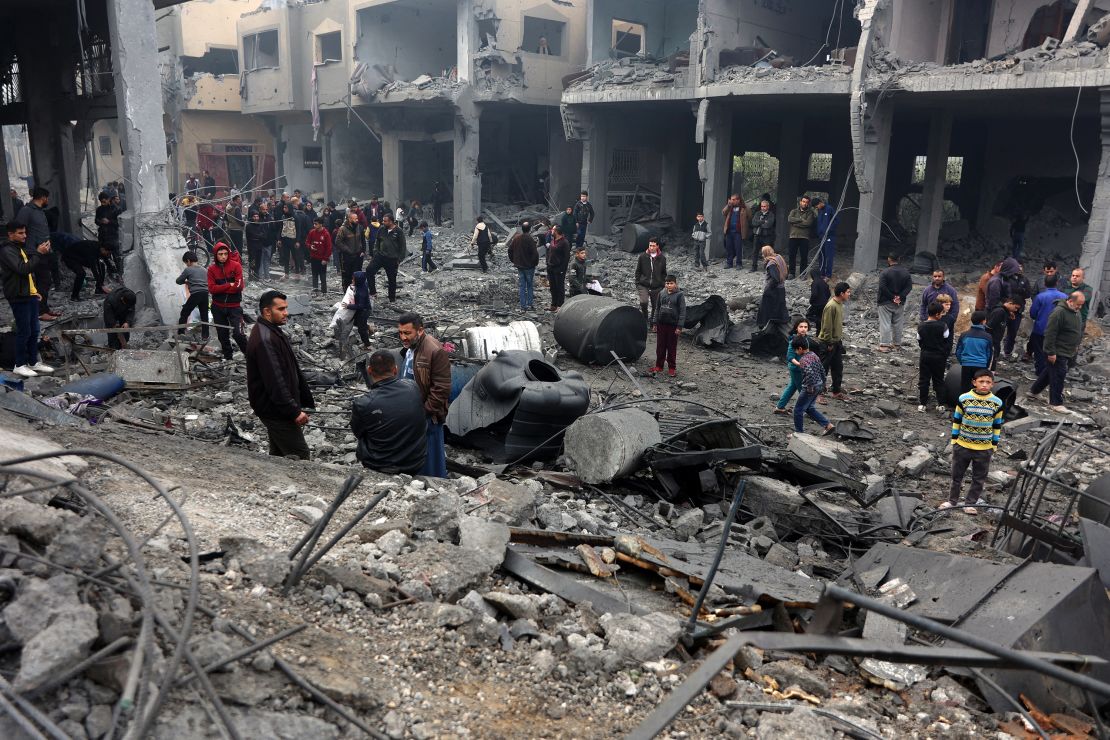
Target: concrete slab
{"points": [[140, 367]]}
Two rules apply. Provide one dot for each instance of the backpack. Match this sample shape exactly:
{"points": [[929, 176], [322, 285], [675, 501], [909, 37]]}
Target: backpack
{"points": [[1017, 287]]}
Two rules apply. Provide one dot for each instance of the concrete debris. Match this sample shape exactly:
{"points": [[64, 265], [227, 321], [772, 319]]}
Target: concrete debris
{"points": [[640, 639]]}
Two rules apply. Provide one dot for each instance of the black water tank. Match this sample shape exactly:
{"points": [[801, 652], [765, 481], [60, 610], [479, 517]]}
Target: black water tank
{"points": [[589, 327], [1004, 389]]}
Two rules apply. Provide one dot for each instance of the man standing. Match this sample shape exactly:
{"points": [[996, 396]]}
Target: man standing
{"points": [[1009, 283], [225, 285], [119, 313], [737, 226], [389, 421], [426, 362], [566, 222], [1049, 268], [107, 230], [825, 225], [234, 222], [209, 186], [801, 221], [33, 216], [558, 260], [1040, 310], [984, 281], [276, 387], [936, 288], [17, 268], [651, 272], [348, 242], [318, 241], [583, 216], [1077, 283], [439, 195], [895, 285], [832, 336], [191, 184], [1062, 336], [389, 250], [763, 230], [524, 256], [17, 203]]}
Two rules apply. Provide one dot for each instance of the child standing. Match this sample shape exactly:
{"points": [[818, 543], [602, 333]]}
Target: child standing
{"points": [[577, 280], [426, 263], [319, 245], [801, 329], [976, 428], [670, 317], [934, 339], [813, 384], [195, 280], [700, 235], [975, 350]]}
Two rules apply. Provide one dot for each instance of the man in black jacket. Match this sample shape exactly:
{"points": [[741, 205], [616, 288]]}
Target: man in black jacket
{"points": [[119, 313], [18, 263], [84, 254], [389, 421], [651, 269], [389, 249], [895, 285], [583, 216], [524, 255], [558, 259], [276, 387]]}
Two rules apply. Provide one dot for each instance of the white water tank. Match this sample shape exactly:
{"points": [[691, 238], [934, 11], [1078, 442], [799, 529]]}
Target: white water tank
{"points": [[483, 342]]}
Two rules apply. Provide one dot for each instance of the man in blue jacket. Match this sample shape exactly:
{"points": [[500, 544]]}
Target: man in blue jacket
{"points": [[825, 226], [974, 350], [1042, 308]]}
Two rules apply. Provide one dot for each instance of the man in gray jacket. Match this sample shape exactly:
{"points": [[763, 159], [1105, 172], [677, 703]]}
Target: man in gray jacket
{"points": [[1062, 336]]}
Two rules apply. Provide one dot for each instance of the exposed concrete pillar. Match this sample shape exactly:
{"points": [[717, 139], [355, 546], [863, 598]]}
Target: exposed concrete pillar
{"points": [[136, 71], [936, 171], [392, 167], [875, 151], [468, 179], [595, 172], [792, 154], [714, 129], [466, 39], [329, 186], [670, 194], [1097, 240]]}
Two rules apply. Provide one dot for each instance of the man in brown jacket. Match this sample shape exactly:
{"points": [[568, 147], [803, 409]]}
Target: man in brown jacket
{"points": [[426, 362], [737, 226]]}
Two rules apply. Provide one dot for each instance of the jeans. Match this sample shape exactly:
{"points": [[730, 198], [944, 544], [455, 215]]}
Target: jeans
{"points": [[229, 317], [699, 255], [26, 315], [734, 249], [980, 462], [286, 439], [264, 256], [526, 286], [483, 250], [799, 248], [791, 388], [580, 235], [426, 262], [828, 254], [557, 280], [435, 463], [648, 296], [199, 301], [892, 320], [1036, 348], [806, 407], [931, 369], [390, 266], [1053, 376], [666, 345], [320, 272]]}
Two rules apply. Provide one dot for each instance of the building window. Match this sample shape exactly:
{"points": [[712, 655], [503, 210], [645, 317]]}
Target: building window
{"points": [[329, 47], [542, 36], [104, 143], [755, 173], [313, 157], [953, 172], [625, 172], [820, 167], [918, 176], [628, 38], [260, 50]]}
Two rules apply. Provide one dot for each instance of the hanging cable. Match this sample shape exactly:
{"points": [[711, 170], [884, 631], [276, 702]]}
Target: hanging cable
{"points": [[1075, 151]]}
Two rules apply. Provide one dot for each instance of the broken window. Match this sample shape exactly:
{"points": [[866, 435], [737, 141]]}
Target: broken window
{"points": [[104, 144], [953, 172], [329, 47], [487, 32], [755, 173], [542, 36], [260, 50], [1050, 21], [628, 38], [313, 157], [820, 167], [214, 61], [918, 176]]}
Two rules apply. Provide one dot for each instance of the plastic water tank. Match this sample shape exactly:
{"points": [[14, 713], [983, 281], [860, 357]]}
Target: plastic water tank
{"points": [[483, 342], [590, 327], [101, 386]]}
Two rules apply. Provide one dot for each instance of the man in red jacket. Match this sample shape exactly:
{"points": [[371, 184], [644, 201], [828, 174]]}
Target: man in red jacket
{"points": [[225, 285], [318, 242]]}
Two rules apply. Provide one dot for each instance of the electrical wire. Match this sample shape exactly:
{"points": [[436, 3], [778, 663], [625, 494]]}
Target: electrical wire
{"points": [[1075, 151], [828, 34]]}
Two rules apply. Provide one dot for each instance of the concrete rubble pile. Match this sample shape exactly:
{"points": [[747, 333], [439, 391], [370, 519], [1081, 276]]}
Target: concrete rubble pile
{"points": [[676, 554]]}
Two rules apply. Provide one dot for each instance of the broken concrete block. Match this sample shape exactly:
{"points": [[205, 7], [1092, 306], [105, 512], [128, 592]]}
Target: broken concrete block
{"points": [[802, 722], [307, 514], [781, 556], [641, 639], [79, 544], [38, 603], [475, 603], [437, 511], [60, 646], [890, 408], [791, 673], [31, 521], [688, 524], [917, 461], [518, 606], [444, 615], [352, 579], [516, 502], [392, 542], [821, 451], [488, 538], [448, 570], [259, 563]]}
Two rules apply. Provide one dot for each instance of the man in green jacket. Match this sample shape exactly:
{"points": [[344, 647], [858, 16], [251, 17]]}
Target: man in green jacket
{"points": [[801, 221], [1062, 336], [832, 337], [389, 250]]}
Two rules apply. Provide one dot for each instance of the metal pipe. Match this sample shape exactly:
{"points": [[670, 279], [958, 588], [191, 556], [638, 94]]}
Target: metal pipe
{"points": [[240, 654], [338, 536], [712, 572]]}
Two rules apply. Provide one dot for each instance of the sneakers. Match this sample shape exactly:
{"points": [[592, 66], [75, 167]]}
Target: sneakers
{"points": [[672, 372], [942, 409], [25, 371], [921, 408], [655, 369], [42, 368]]}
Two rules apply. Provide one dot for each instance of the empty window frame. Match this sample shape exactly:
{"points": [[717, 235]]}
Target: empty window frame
{"points": [[329, 47], [625, 171], [629, 38], [542, 36], [820, 167], [953, 171], [104, 144], [260, 50]]}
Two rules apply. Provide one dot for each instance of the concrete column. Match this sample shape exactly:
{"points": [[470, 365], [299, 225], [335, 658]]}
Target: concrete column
{"points": [[936, 170], [468, 179], [467, 38], [151, 267], [596, 158], [872, 188], [50, 135], [672, 179], [841, 162], [1097, 240], [329, 187], [392, 167], [792, 159], [716, 170]]}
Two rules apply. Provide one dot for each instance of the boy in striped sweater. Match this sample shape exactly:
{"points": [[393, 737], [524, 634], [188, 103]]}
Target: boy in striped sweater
{"points": [[976, 427]]}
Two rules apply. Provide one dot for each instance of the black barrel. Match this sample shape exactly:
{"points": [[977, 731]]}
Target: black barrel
{"points": [[635, 238], [590, 327], [1005, 390]]}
